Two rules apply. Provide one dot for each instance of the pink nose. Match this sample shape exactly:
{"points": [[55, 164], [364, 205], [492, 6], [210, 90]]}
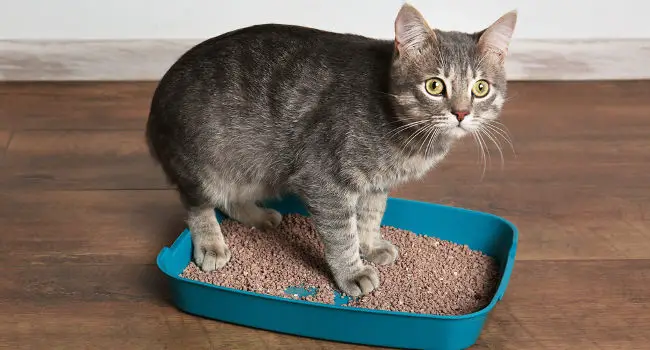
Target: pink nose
{"points": [[460, 115]]}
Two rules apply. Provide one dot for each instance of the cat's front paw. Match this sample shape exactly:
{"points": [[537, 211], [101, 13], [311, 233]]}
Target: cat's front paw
{"points": [[210, 254], [359, 282], [382, 252]]}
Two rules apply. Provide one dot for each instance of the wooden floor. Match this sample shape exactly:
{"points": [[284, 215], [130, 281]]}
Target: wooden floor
{"points": [[84, 211]]}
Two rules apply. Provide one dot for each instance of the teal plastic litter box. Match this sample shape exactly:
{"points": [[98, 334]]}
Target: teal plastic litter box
{"points": [[488, 233]]}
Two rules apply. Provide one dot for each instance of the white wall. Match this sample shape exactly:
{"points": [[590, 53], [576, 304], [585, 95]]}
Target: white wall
{"points": [[190, 19]]}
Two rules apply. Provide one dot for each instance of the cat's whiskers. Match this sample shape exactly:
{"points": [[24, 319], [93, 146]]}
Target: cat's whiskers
{"points": [[481, 152], [504, 127], [430, 129], [503, 130], [433, 126], [436, 133], [504, 135], [487, 148], [430, 138], [398, 121], [478, 150], [435, 119], [487, 157], [486, 132], [485, 154], [411, 138], [404, 127]]}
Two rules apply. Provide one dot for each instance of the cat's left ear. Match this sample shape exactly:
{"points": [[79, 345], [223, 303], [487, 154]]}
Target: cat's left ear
{"points": [[496, 38]]}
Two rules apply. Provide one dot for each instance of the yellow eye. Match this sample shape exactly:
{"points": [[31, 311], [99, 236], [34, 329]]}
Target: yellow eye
{"points": [[481, 88], [434, 86]]}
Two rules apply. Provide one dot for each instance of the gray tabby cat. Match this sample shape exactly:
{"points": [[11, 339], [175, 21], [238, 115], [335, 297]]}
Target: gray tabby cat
{"points": [[337, 119]]}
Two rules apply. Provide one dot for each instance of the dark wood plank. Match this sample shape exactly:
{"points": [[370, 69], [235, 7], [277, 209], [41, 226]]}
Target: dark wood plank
{"points": [[75, 105], [5, 135], [577, 110], [549, 305], [87, 227], [80, 160]]}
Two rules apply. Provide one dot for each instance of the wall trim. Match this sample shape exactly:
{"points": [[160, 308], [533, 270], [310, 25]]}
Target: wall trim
{"points": [[149, 59]]}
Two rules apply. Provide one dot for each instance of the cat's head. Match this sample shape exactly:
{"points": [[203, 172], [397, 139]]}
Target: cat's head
{"points": [[449, 82]]}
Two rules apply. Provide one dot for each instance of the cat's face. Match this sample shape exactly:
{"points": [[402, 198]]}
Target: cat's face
{"points": [[449, 83]]}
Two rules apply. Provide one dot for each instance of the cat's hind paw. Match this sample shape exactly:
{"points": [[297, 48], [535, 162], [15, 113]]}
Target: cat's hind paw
{"points": [[382, 253], [270, 219]]}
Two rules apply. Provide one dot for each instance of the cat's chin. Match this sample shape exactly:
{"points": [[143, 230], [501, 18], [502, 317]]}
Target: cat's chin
{"points": [[457, 133]]}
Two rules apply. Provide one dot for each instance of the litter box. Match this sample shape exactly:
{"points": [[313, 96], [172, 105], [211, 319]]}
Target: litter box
{"points": [[490, 234]]}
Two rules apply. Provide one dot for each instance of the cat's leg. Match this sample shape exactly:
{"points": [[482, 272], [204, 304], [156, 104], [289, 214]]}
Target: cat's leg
{"points": [[333, 211], [210, 249], [249, 213], [370, 210]]}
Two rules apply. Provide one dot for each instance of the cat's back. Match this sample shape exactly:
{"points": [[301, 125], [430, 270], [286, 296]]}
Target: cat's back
{"points": [[275, 39], [261, 53]]}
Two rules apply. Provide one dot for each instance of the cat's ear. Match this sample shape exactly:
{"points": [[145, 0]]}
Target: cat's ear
{"points": [[496, 38], [412, 32]]}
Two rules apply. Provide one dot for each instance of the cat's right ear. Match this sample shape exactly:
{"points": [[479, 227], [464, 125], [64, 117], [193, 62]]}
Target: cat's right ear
{"points": [[412, 32], [495, 39]]}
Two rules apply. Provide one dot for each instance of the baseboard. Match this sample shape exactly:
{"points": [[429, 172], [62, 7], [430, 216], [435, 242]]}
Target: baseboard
{"points": [[149, 59]]}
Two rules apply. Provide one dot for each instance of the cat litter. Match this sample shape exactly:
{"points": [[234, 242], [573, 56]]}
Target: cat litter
{"points": [[430, 276]]}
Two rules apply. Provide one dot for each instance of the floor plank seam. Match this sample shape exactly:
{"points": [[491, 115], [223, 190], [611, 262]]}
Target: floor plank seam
{"points": [[5, 151]]}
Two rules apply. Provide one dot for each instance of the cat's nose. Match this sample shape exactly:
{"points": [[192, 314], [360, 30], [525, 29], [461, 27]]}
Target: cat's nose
{"points": [[460, 115]]}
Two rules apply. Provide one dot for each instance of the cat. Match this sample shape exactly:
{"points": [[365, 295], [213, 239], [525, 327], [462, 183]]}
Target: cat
{"points": [[337, 119]]}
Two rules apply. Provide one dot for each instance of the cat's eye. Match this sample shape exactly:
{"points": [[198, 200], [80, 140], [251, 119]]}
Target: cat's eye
{"points": [[434, 86], [480, 88]]}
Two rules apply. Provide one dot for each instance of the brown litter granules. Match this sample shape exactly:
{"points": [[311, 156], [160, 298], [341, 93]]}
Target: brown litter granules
{"points": [[430, 276]]}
